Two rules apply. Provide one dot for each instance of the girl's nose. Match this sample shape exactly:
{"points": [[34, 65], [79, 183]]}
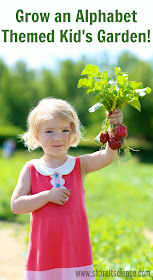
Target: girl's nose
{"points": [[57, 136]]}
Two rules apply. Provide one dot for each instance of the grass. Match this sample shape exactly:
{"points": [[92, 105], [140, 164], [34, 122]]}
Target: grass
{"points": [[119, 206], [122, 190]]}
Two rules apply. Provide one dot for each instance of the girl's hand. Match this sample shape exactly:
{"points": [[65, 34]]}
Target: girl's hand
{"points": [[116, 117], [58, 195]]}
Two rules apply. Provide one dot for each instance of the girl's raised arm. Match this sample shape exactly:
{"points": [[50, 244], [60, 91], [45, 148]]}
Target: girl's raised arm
{"points": [[100, 159]]}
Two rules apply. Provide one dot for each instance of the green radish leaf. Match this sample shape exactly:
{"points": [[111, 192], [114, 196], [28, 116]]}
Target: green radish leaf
{"points": [[118, 86], [121, 80], [114, 103], [142, 92], [99, 85], [104, 75], [89, 91], [97, 139], [98, 98], [122, 105], [109, 78], [135, 103], [117, 70], [135, 85], [127, 154], [148, 90], [95, 107], [91, 70], [87, 83]]}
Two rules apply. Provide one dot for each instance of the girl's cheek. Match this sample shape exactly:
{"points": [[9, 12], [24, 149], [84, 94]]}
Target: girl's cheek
{"points": [[67, 138], [49, 136]]}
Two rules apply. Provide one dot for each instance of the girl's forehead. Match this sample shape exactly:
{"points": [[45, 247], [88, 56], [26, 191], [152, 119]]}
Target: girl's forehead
{"points": [[54, 123]]}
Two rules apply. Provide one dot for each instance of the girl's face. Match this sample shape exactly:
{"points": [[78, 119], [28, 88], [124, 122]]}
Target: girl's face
{"points": [[54, 137]]}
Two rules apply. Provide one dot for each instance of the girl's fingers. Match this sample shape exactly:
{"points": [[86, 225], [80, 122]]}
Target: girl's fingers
{"points": [[116, 116], [116, 119], [62, 202], [116, 110], [67, 191], [114, 113], [64, 196], [116, 122]]}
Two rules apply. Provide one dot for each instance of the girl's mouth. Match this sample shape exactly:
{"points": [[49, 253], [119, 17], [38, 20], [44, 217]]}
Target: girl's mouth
{"points": [[57, 146]]}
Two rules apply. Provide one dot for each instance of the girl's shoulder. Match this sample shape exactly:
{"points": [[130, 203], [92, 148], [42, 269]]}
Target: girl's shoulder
{"points": [[24, 173]]}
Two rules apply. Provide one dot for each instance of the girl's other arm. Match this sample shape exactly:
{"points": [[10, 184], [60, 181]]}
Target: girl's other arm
{"points": [[22, 202]]}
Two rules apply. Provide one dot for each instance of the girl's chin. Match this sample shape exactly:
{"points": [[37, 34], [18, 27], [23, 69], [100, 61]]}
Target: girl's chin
{"points": [[58, 146]]}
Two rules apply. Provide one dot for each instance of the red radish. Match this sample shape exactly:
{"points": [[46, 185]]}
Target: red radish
{"points": [[104, 136], [114, 143], [120, 131]]}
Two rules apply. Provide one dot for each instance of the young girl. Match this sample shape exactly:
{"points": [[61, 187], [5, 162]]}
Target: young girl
{"points": [[51, 188]]}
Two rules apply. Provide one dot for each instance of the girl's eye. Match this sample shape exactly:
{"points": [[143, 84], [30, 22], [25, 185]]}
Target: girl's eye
{"points": [[65, 130], [49, 131]]}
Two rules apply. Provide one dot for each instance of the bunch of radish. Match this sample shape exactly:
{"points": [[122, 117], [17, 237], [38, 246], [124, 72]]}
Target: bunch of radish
{"points": [[115, 138], [112, 94]]}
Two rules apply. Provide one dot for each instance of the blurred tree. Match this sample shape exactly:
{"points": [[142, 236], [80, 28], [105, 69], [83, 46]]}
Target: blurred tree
{"points": [[69, 74], [21, 88], [47, 84], [21, 93], [4, 86], [139, 123]]}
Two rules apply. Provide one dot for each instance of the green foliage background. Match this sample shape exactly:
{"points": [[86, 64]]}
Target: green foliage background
{"points": [[21, 88]]}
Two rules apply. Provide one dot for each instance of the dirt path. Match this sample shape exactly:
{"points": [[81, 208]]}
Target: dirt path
{"points": [[12, 251]]}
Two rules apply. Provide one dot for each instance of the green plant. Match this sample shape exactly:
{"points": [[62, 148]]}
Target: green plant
{"points": [[112, 94], [118, 247], [109, 93]]}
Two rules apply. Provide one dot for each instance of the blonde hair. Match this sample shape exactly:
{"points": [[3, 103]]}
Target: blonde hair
{"points": [[46, 109]]}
